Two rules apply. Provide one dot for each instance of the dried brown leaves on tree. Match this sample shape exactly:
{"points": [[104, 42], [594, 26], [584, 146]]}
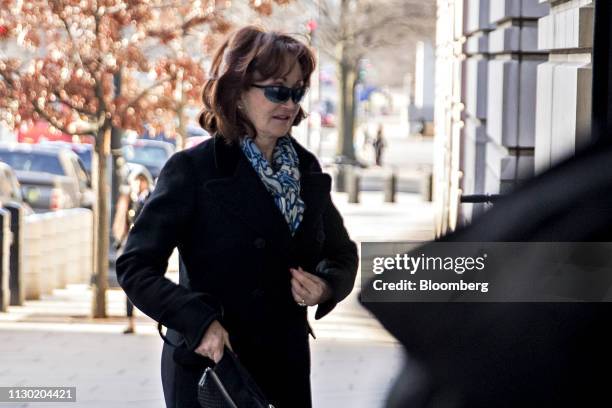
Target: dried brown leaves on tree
{"points": [[68, 53]]}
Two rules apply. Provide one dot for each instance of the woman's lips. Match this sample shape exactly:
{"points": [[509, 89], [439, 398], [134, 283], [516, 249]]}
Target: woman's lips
{"points": [[281, 117]]}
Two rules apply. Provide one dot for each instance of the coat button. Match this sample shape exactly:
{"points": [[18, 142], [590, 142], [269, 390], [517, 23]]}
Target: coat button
{"points": [[260, 243]]}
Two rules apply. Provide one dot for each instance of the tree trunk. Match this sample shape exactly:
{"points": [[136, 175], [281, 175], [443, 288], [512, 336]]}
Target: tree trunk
{"points": [[347, 76], [115, 145], [117, 158], [181, 102], [346, 111], [101, 223], [346, 95], [181, 132]]}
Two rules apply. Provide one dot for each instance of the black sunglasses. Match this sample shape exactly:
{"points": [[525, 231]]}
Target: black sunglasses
{"points": [[281, 94]]}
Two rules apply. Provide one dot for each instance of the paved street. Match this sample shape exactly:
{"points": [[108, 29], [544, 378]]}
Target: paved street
{"points": [[53, 341]]}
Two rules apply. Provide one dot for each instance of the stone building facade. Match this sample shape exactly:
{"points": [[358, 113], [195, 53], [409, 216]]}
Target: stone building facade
{"points": [[513, 91]]}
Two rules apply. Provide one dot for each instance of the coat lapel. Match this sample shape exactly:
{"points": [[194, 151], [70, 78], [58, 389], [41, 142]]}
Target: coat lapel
{"points": [[241, 192], [315, 187]]}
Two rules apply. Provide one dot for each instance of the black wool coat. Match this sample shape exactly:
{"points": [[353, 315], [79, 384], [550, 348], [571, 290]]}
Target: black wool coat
{"points": [[236, 250]]}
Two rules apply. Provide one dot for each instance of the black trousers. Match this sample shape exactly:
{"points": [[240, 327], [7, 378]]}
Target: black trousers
{"points": [[129, 307]]}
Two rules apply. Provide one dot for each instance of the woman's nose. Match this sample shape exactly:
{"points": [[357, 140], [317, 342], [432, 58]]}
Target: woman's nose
{"points": [[289, 104]]}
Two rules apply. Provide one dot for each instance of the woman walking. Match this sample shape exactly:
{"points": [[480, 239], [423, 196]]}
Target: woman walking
{"points": [[259, 237]]}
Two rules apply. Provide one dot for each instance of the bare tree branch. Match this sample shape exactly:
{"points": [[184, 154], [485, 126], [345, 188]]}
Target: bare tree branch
{"points": [[145, 92], [75, 48], [56, 124], [74, 107]]}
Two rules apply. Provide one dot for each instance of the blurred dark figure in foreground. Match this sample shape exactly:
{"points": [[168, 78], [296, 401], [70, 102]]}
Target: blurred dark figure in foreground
{"points": [[516, 354], [133, 195]]}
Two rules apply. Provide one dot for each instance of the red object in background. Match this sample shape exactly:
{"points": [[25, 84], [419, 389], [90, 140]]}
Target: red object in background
{"points": [[41, 131], [311, 25], [3, 31], [328, 120]]}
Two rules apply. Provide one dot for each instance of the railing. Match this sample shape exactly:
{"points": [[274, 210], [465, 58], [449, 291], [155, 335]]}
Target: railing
{"points": [[480, 198]]}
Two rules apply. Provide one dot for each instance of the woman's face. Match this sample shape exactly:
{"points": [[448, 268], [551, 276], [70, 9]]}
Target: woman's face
{"points": [[272, 120]]}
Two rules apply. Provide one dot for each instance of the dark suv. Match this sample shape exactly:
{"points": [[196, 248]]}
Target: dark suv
{"points": [[10, 189], [152, 154], [51, 178]]}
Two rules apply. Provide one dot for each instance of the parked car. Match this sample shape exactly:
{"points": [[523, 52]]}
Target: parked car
{"points": [[10, 189], [83, 150], [51, 178], [194, 129], [152, 154]]}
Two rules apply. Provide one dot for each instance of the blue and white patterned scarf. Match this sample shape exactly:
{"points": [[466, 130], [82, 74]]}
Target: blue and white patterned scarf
{"points": [[282, 178]]}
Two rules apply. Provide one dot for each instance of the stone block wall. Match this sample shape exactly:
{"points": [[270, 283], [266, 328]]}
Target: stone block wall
{"points": [[563, 112], [489, 59]]}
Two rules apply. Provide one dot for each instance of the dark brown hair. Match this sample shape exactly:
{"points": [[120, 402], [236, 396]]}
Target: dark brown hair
{"points": [[247, 55]]}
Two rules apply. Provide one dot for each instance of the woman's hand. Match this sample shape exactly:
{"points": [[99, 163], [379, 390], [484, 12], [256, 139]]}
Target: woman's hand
{"points": [[213, 341], [308, 289]]}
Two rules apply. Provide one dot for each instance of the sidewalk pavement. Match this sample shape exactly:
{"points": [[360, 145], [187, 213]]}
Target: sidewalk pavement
{"points": [[53, 342]]}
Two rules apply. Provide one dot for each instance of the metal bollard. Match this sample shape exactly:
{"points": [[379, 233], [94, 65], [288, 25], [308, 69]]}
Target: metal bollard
{"points": [[390, 187], [427, 187], [353, 183], [340, 184], [5, 250], [16, 264]]}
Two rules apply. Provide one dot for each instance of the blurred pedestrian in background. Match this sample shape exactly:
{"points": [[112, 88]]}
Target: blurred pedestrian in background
{"points": [[132, 196], [379, 145]]}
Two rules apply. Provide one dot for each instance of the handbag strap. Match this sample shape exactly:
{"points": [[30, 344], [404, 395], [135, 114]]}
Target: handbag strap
{"points": [[210, 373], [246, 380], [164, 338]]}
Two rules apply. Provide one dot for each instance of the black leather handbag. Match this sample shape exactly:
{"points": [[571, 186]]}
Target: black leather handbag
{"points": [[229, 385]]}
